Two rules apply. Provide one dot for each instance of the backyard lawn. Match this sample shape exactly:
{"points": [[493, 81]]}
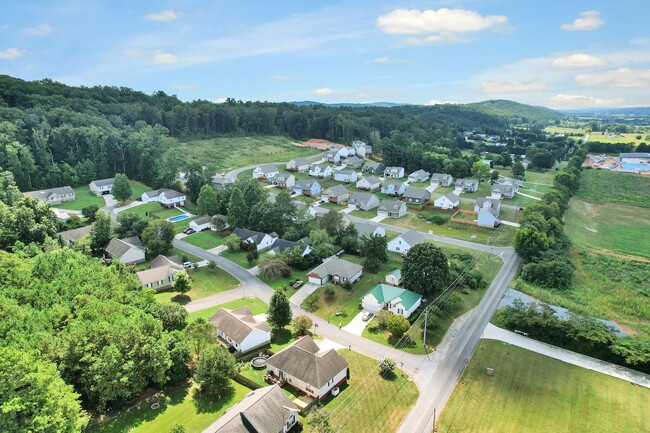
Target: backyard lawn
{"points": [[205, 282], [84, 198], [532, 393], [206, 240], [137, 189], [255, 305]]}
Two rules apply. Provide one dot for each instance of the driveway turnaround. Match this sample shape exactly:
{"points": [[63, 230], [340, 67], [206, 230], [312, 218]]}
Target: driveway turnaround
{"points": [[356, 325]]}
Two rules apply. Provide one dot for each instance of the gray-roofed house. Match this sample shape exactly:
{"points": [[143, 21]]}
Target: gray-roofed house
{"points": [[372, 167], [304, 366], [467, 185], [101, 186], [442, 179], [354, 162], [220, 182], [347, 176], [128, 250], [369, 183], [318, 212], [362, 148], [308, 187], [336, 270], [391, 209], [488, 217], [447, 201], [72, 236], [238, 329], [415, 195], [281, 245], [367, 229], [419, 176], [404, 242], [393, 187], [363, 201], [284, 180], [264, 410], [301, 165], [161, 274], [394, 172], [332, 156], [164, 196], [202, 223], [262, 241], [336, 194], [265, 171], [323, 170], [53, 195], [518, 183], [503, 190], [487, 203]]}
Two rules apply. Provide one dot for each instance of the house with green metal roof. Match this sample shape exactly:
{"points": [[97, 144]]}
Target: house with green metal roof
{"points": [[394, 278], [394, 299]]}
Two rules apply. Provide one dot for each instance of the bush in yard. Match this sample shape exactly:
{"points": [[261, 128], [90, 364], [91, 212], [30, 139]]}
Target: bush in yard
{"points": [[319, 420], [212, 264], [252, 256], [330, 292], [310, 303], [271, 268], [90, 212], [214, 369], [177, 428], [373, 327], [432, 317], [302, 324], [233, 242], [451, 302], [398, 325], [279, 311], [387, 367], [438, 220], [382, 318]]}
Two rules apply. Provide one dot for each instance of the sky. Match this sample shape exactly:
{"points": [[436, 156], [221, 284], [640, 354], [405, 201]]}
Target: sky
{"points": [[554, 53]]}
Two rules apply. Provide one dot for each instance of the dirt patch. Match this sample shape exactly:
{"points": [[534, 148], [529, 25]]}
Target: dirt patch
{"points": [[317, 143], [622, 256], [631, 332]]}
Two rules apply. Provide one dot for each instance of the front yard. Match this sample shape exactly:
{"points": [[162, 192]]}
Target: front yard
{"points": [[256, 306], [205, 282], [206, 240], [84, 198]]}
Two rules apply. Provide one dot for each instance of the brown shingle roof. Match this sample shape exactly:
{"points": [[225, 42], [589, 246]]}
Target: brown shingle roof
{"points": [[237, 324]]}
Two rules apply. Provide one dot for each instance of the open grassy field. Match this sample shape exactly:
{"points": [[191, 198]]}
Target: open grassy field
{"points": [[256, 306], [534, 175], [205, 282], [601, 186], [564, 130], [84, 198], [227, 153], [619, 138], [535, 394]]}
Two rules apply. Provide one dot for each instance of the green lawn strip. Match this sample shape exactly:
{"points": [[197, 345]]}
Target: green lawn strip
{"points": [[138, 188], [205, 282], [602, 186], [545, 176], [303, 198], [390, 235], [256, 306], [153, 211], [444, 189], [564, 130], [246, 174], [84, 198], [484, 190], [238, 257], [177, 406], [332, 206], [206, 240], [533, 393], [364, 214], [283, 282]]}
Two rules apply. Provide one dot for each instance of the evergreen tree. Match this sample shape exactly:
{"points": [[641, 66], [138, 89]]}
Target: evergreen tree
{"points": [[279, 310], [238, 210], [207, 203], [121, 187]]}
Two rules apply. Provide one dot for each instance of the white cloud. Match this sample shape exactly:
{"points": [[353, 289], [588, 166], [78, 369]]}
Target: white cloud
{"points": [[284, 77], [11, 54], [437, 102], [133, 52], [323, 91], [589, 20], [577, 61], [582, 101], [622, 78], [159, 57], [39, 30], [508, 87], [387, 59], [439, 26], [185, 86], [165, 16], [219, 100]]}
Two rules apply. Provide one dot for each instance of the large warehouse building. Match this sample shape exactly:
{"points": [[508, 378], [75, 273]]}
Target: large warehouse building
{"points": [[635, 161]]}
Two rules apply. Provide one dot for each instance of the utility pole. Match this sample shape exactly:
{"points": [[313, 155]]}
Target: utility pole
{"points": [[424, 339], [434, 419]]}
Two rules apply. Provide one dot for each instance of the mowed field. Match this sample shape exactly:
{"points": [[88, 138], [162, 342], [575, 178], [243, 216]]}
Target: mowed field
{"points": [[229, 153], [535, 394], [619, 138], [601, 186]]}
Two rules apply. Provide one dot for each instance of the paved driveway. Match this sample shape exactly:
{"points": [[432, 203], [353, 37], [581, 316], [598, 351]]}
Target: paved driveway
{"points": [[306, 290], [378, 218], [356, 325]]}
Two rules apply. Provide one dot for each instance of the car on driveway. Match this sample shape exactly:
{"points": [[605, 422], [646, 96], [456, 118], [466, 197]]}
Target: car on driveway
{"points": [[188, 265], [366, 316], [188, 231]]}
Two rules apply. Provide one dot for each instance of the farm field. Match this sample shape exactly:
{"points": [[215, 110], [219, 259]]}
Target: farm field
{"points": [[619, 138], [564, 130], [228, 153], [84, 198], [256, 306], [536, 394], [601, 186], [205, 282], [535, 176]]}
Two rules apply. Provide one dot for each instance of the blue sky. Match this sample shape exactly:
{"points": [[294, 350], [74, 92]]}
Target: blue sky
{"points": [[561, 54]]}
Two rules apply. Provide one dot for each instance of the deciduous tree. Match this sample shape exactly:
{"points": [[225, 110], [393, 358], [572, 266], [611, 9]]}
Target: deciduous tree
{"points": [[101, 231], [182, 282], [425, 269], [214, 369], [121, 187], [158, 236]]}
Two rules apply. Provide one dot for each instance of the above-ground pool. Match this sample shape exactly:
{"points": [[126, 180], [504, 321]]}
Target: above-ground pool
{"points": [[178, 218], [258, 362]]}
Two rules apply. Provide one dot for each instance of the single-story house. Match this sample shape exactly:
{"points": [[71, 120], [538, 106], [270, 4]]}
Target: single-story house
{"points": [[394, 188], [336, 270], [321, 170], [447, 201], [368, 229], [128, 250], [220, 182], [265, 171], [161, 274], [304, 366], [503, 190], [372, 167], [394, 172], [487, 203], [164, 196], [264, 410], [347, 176], [394, 278], [332, 156], [442, 179], [262, 241], [239, 330], [201, 223], [488, 217], [404, 242], [391, 298], [280, 246], [53, 195], [301, 165], [284, 181], [391, 209], [467, 185], [415, 195], [72, 236], [419, 176], [363, 200], [101, 186], [336, 194], [309, 187], [369, 183], [354, 162]]}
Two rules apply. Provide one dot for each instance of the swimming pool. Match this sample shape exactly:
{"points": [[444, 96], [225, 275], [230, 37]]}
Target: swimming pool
{"points": [[178, 218]]}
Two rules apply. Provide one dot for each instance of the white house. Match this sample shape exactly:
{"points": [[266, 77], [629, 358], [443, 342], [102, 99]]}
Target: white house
{"points": [[200, 224], [265, 171], [161, 274], [404, 242], [391, 298], [129, 250], [369, 183], [301, 165], [392, 187], [354, 162], [394, 172], [391, 209], [368, 229], [284, 181], [347, 176], [53, 195], [363, 201], [503, 190], [101, 186], [164, 196], [419, 176], [441, 179], [333, 156], [323, 170], [467, 185], [394, 278], [447, 201], [262, 241], [488, 217], [239, 329], [362, 148], [336, 270]]}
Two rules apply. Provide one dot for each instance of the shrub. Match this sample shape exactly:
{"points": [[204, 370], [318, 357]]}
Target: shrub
{"points": [[329, 292], [398, 325], [212, 264], [310, 303], [382, 318], [373, 327], [302, 324], [387, 367], [252, 256], [465, 291], [451, 302], [438, 220]]}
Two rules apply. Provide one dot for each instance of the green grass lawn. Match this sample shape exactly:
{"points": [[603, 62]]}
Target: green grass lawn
{"points": [[177, 406], [205, 282], [256, 306], [84, 198], [238, 257], [602, 186], [364, 214], [484, 190], [535, 394], [281, 283], [138, 188], [534, 175], [153, 211], [564, 130], [206, 240], [332, 206]]}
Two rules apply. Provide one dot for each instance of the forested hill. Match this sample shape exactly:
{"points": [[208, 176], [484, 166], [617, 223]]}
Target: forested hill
{"points": [[516, 112]]}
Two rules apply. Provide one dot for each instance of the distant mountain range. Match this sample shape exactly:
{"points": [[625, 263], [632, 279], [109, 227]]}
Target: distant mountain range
{"points": [[629, 111], [350, 104]]}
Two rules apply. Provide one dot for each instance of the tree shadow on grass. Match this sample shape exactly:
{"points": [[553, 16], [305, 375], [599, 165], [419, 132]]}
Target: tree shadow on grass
{"points": [[182, 299], [281, 336], [212, 403]]}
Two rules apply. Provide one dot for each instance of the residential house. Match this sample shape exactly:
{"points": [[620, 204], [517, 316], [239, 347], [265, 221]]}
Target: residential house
{"points": [[518, 183], [419, 176], [300, 205], [391, 298], [362, 148], [262, 241], [202, 223], [467, 185], [238, 329], [220, 182], [336, 194], [394, 278], [368, 229], [404, 242], [323, 170], [418, 196], [447, 201], [264, 410], [372, 167], [488, 217], [304, 366], [503, 190], [284, 181], [369, 183], [161, 274], [336, 270], [394, 172], [265, 172], [487, 203], [441, 179], [363, 201], [164, 196], [394, 188], [354, 162], [318, 212], [53, 195], [280, 246], [347, 176], [332, 156], [129, 250], [347, 151], [309, 187], [391, 209], [101, 186], [301, 165], [70, 237]]}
